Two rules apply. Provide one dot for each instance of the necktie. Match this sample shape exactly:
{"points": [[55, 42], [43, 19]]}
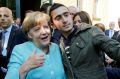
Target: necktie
{"points": [[3, 41], [3, 37], [0, 42]]}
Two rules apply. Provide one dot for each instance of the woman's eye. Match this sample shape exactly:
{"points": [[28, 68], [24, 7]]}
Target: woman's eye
{"points": [[46, 26], [79, 21], [36, 29]]}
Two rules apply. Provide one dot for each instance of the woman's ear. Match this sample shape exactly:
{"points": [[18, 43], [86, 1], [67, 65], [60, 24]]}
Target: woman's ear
{"points": [[29, 35]]}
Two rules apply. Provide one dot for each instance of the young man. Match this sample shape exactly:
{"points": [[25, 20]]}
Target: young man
{"points": [[81, 47]]}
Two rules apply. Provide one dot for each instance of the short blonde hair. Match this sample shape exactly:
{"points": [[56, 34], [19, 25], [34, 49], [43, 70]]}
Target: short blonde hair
{"points": [[33, 19]]}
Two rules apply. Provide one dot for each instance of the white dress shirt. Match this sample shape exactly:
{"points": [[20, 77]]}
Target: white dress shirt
{"points": [[7, 34], [111, 32]]}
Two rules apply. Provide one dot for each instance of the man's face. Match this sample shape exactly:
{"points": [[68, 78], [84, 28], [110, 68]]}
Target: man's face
{"points": [[72, 11], [5, 18], [18, 21], [112, 25], [62, 19]]}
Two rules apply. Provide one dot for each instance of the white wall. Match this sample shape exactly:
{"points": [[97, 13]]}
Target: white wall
{"points": [[114, 11], [107, 10], [67, 2]]}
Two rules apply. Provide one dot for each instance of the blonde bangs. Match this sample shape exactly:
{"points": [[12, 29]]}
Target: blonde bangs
{"points": [[33, 19], [41, 18]]}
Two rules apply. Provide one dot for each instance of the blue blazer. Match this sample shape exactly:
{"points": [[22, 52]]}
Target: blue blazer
{"points": [[51, 69]]}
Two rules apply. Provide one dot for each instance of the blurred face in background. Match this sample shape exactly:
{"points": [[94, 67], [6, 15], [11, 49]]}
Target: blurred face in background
{"points": [[72, 10], [112, 25], [18, 21], [6, 18], [77, 20]]}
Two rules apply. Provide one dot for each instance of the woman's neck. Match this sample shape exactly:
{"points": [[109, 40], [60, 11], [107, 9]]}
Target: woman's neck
{"points": [[43, 48], [46, 49]]}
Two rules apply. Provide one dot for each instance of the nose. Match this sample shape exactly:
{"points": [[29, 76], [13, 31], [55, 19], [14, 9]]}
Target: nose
{"points": [[43, 31], [2, 18], [64, 19]]}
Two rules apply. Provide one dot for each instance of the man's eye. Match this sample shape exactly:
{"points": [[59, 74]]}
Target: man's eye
{"points": [[58, 18], [66, 14], [6, 15]]}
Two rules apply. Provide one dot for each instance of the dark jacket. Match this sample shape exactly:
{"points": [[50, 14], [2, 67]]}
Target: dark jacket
{"points": [[16, 37], [116, 36], [85, 51]]}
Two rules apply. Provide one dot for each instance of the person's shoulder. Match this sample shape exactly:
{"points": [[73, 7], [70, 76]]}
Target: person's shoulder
{"points": [[107, 30], [87, 27], [95, 31], [116, 32], [16, 30], [22, 45], [83, 27], [20, 49], [54, 44]]}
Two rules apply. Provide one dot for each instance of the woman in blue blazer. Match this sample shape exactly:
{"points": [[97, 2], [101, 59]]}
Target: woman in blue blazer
{"points": [[38, 58]]}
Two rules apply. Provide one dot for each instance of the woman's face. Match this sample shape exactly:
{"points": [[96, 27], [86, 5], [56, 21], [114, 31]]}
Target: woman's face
{"points": [[77, 20], [40, 34]]}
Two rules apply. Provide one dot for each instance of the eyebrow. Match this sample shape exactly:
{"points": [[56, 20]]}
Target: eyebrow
{"points": [[61, 14]]}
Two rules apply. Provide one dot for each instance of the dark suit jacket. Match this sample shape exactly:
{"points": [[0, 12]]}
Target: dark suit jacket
{"points": [[56, 37], [16, 37], [116, 36]]}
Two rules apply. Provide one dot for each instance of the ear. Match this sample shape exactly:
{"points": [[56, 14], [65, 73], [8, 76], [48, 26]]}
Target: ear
{"points": [[53, 26], [29, 35]]}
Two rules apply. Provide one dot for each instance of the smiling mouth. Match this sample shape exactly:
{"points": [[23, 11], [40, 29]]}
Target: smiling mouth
{"points": [[44, 38]]}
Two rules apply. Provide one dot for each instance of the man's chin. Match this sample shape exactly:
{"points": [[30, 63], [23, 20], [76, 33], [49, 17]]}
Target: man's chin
{"points": [[4, 27], [68, 29]]}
